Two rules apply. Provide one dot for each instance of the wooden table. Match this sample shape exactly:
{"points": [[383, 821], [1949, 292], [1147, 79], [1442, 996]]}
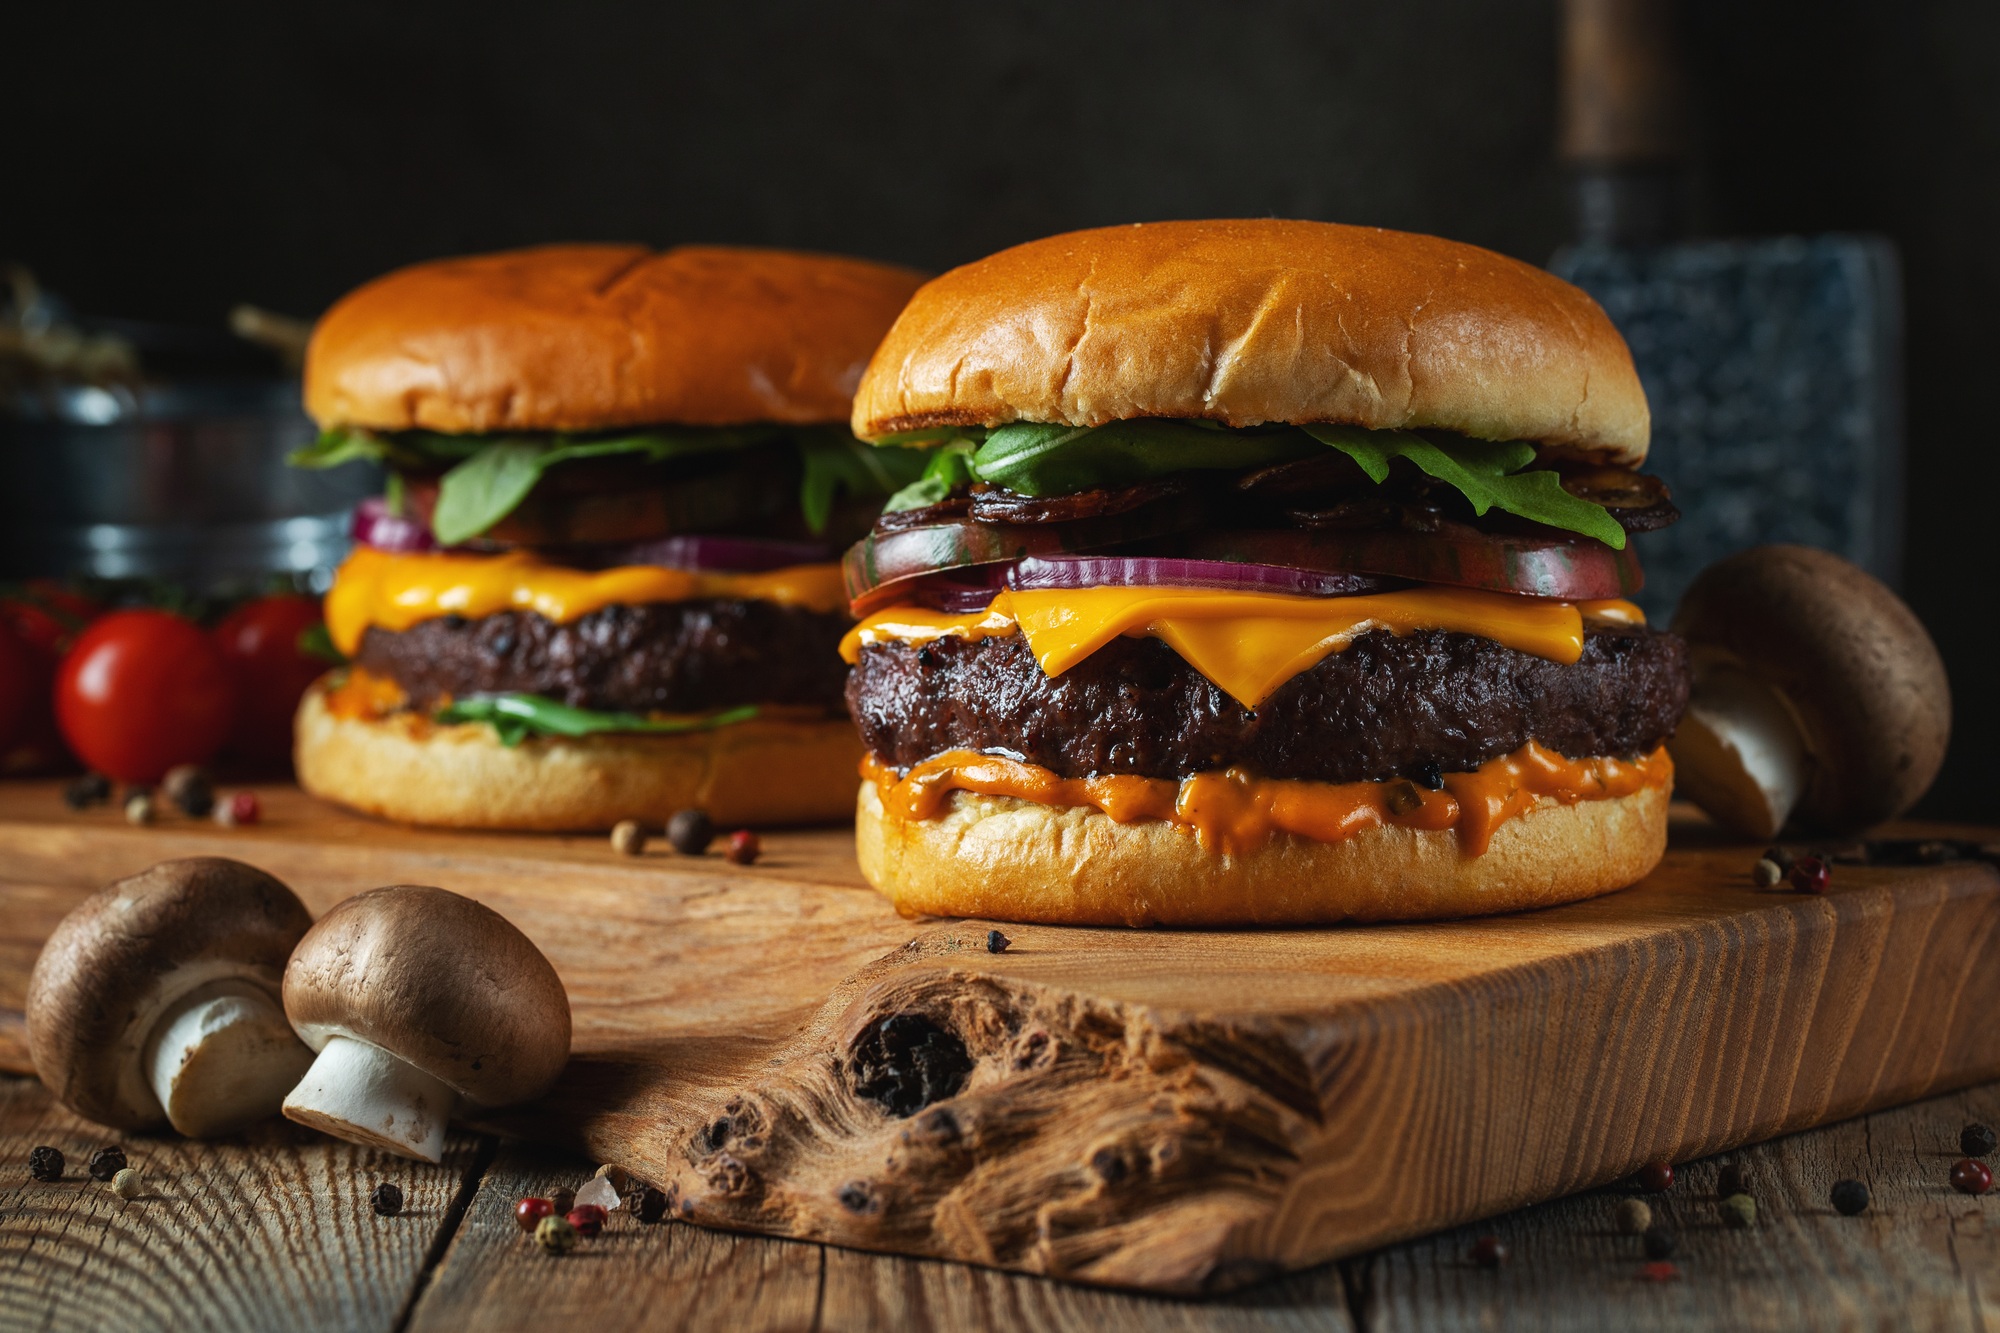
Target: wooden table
{"points": [[274, 1231]]}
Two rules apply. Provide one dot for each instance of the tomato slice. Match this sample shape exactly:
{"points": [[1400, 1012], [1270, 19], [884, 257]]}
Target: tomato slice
{"points": [[1461, 557]]}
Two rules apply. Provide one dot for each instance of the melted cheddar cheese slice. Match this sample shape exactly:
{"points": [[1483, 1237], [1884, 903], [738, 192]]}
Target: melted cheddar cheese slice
{"points": [[396, 591], [1248, 643]]}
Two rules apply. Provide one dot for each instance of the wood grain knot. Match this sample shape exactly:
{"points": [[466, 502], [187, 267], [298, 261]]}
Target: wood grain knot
{"points": [[905, 1062]]}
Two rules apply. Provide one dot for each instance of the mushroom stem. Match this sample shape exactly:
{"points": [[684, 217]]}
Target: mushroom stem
{"points": [[223, 1057], [1738, 753], [362, 1093]]}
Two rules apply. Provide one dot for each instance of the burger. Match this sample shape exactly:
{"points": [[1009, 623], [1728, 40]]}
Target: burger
{"points": [[1260, 572], [603, 582]]}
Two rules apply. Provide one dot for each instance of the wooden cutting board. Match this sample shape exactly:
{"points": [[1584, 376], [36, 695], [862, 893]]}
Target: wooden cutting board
{"points": [[1178, 1111]]}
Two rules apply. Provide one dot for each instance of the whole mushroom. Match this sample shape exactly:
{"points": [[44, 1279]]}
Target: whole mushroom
{"points": [[1818, 697], [417, 999], [158, 998]]}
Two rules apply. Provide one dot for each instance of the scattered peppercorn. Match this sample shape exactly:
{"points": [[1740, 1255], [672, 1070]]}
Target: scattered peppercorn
{"points": [[1970, 1176], [1656, 1177], [1428, 774], [45, 1163], [1731, 1179], [555, 1236], [1489, 1252], [139, 807], [1659, 1271], [651, 1205], [1976, 1141], [1766, 873], [628, 838], [529, 1212], [1660, 1243], [188, 786], [562, 1200], [743, 848], [128, 1183], [1739, 1212], [996, 942], [387, 1200], [1850, 1197], [1634, 1217], [86, 791], [587, 1218], [620, 1178], [239, 808], [1780, 857], [107, 1162], [1811, 875], [690, 832]]}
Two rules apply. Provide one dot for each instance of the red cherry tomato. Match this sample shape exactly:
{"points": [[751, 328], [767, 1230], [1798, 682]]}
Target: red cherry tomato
{"points": [[260, 639], [44, 616], [142, 691]]}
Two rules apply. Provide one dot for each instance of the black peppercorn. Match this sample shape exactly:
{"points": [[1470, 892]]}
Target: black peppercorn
{"points": [[1849, 1197], [1489, 1252], [1660, 1243], [996, 942], [1732, 1179], [1976, 1141], [107, 1162], [690, 832], [88, 790], [1428, 774], [46, 1163], [651, 1205], [188, 786], [387, 1200]]}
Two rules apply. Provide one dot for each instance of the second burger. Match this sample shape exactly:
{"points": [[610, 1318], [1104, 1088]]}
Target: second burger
{"points": [[600, 586]]}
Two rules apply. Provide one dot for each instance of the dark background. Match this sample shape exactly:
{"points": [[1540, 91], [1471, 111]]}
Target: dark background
{"points": [[170, 161]]}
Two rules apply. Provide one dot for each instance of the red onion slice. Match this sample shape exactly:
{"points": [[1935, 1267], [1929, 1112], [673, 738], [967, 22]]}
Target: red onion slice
{"points": [[373, 525], [1069, 572]]}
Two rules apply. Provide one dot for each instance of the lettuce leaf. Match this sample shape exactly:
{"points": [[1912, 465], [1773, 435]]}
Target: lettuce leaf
{"points": [[516, 717], [949, 467], [835, 462], [1486, 472]]}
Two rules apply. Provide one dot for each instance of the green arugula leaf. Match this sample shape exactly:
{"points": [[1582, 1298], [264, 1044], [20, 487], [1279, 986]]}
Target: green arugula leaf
{"points": [[494, 480], [835, 461], [1035, 459], [1487, 472], [949, 467], [316, 641], [341, 444], [516, 717]]}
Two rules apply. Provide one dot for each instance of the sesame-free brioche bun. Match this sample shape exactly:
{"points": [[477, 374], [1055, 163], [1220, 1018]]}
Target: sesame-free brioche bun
{"points": [[1005, 859], [1256, 321], [406, 768], [589, 337]]}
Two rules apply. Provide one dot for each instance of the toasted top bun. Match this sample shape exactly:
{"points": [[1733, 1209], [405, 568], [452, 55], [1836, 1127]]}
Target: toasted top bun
{"points": [[1247, 322], [585, 337]]}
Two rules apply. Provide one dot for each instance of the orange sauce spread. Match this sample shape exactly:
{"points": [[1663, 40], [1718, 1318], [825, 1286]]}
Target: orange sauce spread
{"points": [[396, 591], [1233, 812], [365, 696]]}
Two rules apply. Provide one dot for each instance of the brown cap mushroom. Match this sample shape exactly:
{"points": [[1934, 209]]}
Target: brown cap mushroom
{"points": [[1817, 695], [158, 998], [416, 998]]}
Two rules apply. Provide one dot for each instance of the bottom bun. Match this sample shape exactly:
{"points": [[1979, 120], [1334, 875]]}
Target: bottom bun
{"points": [[1006, 859], [407, 768]]}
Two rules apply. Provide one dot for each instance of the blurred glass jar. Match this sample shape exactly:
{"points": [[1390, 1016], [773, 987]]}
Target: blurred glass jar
{"points": [[185, 483]]}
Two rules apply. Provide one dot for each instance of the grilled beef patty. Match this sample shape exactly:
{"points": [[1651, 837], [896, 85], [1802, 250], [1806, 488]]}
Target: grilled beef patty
{"points": [[670, 657], [1388, 706]]}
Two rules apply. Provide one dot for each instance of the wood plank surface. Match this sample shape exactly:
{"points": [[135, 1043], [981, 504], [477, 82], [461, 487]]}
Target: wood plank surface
{"points": [[1181, 1111], [313, 1258], [269, 1230]]}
